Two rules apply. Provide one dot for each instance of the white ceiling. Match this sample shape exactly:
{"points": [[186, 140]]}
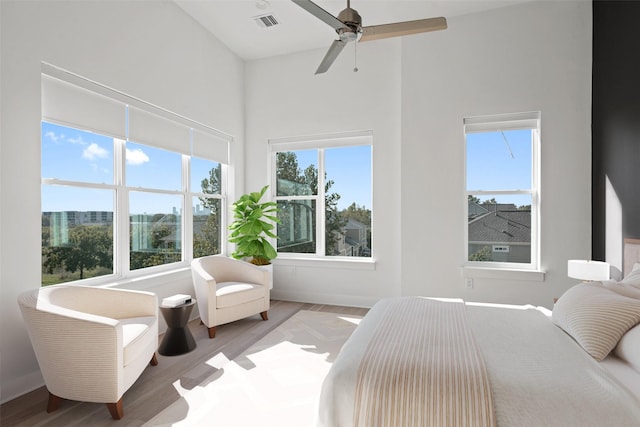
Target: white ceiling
{"points": [[233, 23]]}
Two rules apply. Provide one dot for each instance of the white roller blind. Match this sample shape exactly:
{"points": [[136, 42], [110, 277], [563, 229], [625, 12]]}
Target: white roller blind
{"points": [[151, 129], [322, 141], [516, 121], [70, 105], [210, 146], [72, 100]]}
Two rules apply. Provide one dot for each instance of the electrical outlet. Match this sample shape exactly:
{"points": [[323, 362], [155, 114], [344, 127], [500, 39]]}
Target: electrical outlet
{"points": [[468, 282]]}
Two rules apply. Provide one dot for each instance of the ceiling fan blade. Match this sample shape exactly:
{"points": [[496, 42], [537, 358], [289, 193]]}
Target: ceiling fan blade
{"points": [[331, 55], [320, 13], [376, 32]]}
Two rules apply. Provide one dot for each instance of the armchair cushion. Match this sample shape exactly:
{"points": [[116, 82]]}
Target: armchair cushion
{"points": [[233, 293], [135, 338]]}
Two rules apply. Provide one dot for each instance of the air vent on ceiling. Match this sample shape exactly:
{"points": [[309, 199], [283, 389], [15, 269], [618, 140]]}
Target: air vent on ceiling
{"points": [[266, 21]]}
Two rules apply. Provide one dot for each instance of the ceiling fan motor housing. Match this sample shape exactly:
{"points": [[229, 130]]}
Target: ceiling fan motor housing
{"points": [[353, 22]]}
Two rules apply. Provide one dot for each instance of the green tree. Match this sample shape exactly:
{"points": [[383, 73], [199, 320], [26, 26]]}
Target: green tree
{"points": [[159, 231], [473, 199], [334, 222], [211, 185], [206, 234], [483, 254], [89, 247], [287, 168], [358, 213]]}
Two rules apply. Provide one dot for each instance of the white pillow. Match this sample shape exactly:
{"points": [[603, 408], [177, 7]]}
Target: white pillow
{"points": [[628, 348], [633, 278], [595, 317], [623, 289]]}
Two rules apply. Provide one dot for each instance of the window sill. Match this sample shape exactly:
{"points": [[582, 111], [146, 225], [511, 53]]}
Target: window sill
{"points": [[352, 263], [503, 274], [148, 281]]}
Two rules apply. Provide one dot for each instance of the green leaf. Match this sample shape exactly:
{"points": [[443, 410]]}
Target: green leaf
{"points": [[252, 226]]}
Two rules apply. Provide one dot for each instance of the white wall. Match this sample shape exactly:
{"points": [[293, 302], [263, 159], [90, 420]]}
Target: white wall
{"points": [[151, 50], [531, 57], [284, 99], [414, 92]]}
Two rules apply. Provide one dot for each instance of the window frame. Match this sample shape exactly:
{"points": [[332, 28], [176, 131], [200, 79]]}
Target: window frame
{"points": [[195, 145], [497, 123], [319, 143]]}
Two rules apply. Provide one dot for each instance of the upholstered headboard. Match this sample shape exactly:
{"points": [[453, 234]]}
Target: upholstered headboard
{"points": [[631, 255]]}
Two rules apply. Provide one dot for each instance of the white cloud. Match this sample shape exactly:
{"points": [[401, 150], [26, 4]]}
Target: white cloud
{"points": [[53, 136], [136, 157], [94, 151], [77, 140]]}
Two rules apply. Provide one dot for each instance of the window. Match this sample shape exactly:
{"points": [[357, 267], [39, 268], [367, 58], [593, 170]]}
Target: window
{"points": [[323, 191], [126, 187], [502, 190]]}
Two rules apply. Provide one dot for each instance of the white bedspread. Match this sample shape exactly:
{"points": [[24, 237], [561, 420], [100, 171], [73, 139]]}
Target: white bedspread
{"points": [[541, 377], [538, 375]]}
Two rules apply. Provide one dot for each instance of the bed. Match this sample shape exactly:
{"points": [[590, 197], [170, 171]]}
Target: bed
{"points": [[416, 361]]}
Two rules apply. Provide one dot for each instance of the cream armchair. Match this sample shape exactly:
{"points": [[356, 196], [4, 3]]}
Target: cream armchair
{"points": [[228, 290], [91, 343]]}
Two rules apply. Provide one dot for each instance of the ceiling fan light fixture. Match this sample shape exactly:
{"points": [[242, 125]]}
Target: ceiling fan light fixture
{"points": [[348, 35]]}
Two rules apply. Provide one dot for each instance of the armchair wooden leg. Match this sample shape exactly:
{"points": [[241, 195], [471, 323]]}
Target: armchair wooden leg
{"points": [[115, 409], [264, 315], [212, 332], [53, 402], [154, 360]]}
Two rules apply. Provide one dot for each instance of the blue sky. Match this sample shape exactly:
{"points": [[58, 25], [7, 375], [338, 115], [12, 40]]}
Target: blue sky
{"points": [[74, 155], [500, 161], [349, 168]]}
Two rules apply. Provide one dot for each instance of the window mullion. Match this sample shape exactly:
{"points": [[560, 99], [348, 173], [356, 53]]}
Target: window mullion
{"points": [[320, 206], [121, 210], [187, 210], [535, 196]]}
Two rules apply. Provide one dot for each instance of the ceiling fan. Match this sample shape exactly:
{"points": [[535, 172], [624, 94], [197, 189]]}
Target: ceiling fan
{"points": [[348, 25]]}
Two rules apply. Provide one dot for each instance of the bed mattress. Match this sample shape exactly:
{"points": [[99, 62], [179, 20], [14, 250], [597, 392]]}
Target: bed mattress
{"points": [[538, 375]]}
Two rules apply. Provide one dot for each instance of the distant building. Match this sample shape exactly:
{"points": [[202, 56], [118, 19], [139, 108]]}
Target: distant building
{"points": [[503, 229], [59, 223], [353, 240]]}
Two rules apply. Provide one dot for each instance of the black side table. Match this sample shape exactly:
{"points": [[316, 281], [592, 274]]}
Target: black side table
{"points": [[178, 339]]}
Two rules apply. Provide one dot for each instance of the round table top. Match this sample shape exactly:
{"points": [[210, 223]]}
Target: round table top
{"points": [[187, 304]]}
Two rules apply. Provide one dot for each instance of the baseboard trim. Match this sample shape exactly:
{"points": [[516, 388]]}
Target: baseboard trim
{"points": [[17, 387], [313, 298]]}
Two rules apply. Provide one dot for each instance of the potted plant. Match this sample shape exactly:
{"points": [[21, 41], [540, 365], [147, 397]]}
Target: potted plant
{"points": [[252, 225]]}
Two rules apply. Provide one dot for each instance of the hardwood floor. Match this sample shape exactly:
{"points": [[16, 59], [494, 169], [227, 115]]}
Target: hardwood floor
{"points": [[158, 386]]}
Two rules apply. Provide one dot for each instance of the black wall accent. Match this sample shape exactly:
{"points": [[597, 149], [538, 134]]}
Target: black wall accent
{"points": [[615, 116]]}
